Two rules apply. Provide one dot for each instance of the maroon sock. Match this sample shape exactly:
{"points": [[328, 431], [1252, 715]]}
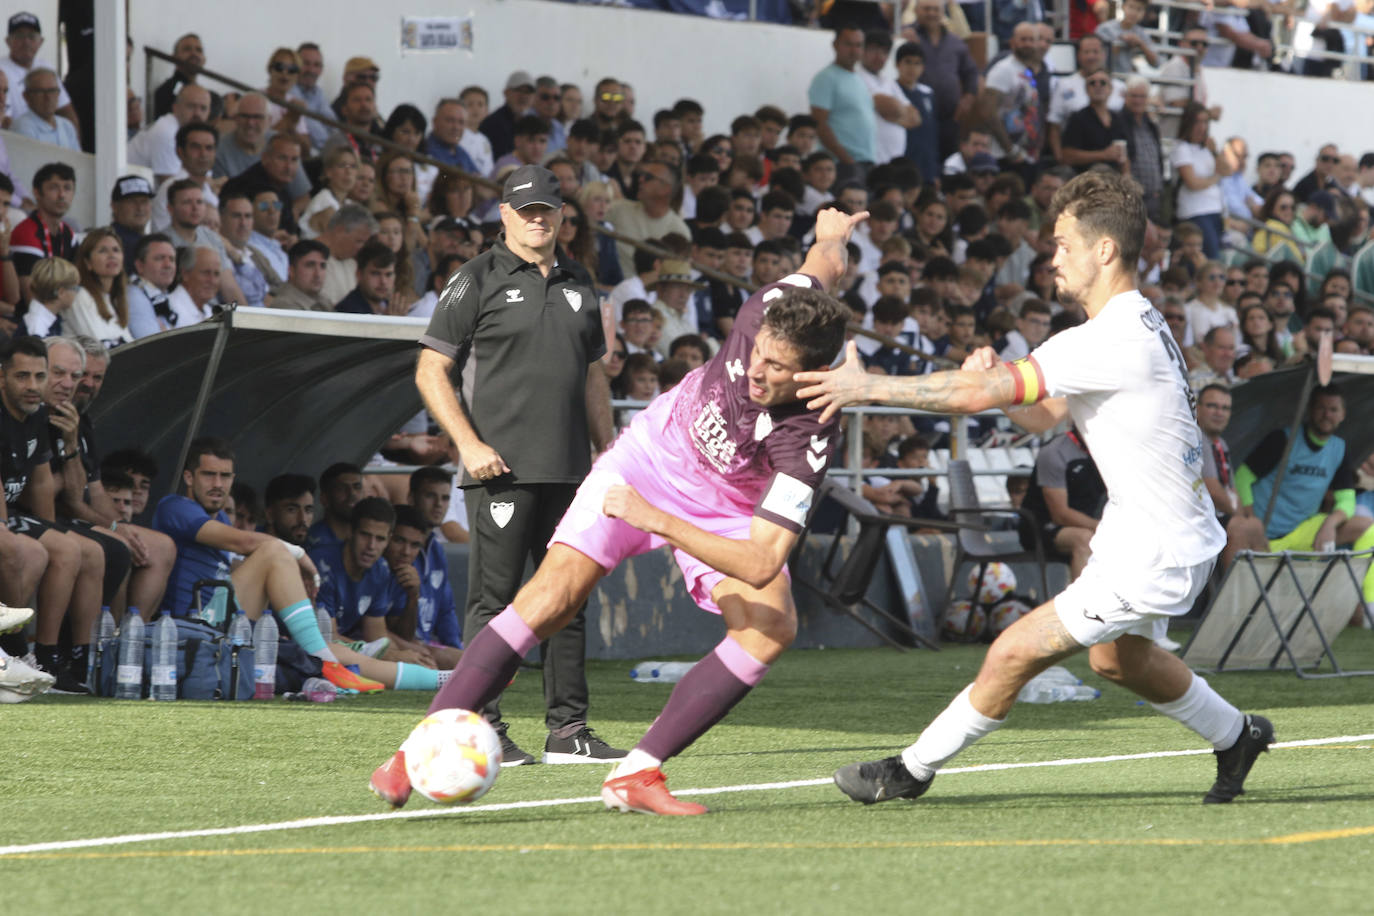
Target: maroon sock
{"points": [[701, 699], [487, 665]]}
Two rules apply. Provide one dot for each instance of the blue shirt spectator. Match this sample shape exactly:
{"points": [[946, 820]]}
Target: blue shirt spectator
{"points": [[59, 133]]}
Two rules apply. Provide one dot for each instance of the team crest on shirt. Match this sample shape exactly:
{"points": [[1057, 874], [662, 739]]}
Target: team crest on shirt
{"points": [[436, 578], [501, 513], [33, 445], [763, 426], [364, 602], [574, 299]]}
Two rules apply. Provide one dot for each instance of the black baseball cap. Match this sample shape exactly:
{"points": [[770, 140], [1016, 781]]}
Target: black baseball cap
{"points": [[532, 184], [24, 21], [131, 186]]}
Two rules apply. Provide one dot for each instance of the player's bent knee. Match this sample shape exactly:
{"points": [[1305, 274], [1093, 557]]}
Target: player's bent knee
{"points": [[1105, 663]]}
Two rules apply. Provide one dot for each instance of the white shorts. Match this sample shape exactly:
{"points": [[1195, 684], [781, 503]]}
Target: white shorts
{"points": [[1106, 602]]}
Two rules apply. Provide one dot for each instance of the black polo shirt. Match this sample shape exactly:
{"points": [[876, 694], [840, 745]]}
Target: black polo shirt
{"points": [[24, 445], [533, 338], [1084, 130]]}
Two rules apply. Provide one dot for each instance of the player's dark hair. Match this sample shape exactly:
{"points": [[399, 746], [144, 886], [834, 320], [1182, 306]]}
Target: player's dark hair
{"points": [[635, 307], [208, 445], [195, 127], [305, 247], [375, 254], [810, 320], [58, 170], [374, 509], [913, 443], [411, 517], [245, 499], [427, 475], [1214, 386], [1106, 203], [693, 341], [116, 480], [1324, 391], [129, 461], [889, 310], [288, 486], [22, 346], [335, 471]]}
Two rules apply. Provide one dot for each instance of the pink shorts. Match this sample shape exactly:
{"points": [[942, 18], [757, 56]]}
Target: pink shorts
{"points": [[668, 482]]}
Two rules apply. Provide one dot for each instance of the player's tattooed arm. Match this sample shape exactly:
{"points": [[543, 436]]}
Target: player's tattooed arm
{"points": [[960, 391]]}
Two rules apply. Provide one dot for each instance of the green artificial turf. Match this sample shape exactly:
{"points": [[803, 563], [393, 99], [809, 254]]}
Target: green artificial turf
{"points": [[1107, 837]]}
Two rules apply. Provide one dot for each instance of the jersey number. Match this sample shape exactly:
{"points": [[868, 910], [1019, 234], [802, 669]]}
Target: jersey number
{"points": [[1176, 355]]}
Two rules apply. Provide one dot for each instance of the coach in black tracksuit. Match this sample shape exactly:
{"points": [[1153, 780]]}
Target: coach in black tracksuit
{"points": [[531, 322]]}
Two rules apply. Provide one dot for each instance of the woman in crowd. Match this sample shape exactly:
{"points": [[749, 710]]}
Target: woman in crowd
{"points": [[337, 181], [283, 69], [1277, 216], [719, 148], [1199, 171], [391, 233], [577, 237], [365, 185], [1257, 335], [101, 306], [1040, 279], [406, 127], [396, 193], [451, 197], [595, 198]]}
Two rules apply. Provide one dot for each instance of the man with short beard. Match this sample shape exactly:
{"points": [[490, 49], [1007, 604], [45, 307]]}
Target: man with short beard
{"points": [[195, 147], [155, 145], [279, 169], [305, 279], [242, 146], [187, 50]]}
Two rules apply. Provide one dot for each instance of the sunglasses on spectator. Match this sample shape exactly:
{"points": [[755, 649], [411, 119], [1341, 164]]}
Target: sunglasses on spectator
{"points": [[371, 76], [719, 151], [266, 205], [1329, 160], [1171, 318], [1097, 82], [573, 221], [1200, 45], [619, 354], [640, 320], [550, 97], [1236, 281], [612, 97], [280, 67]]}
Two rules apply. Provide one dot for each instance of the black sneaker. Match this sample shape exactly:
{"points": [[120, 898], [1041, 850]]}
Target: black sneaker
{"points": [[582, 747], [511, 753], [1234, 763], [46, 658], [880, 780]]}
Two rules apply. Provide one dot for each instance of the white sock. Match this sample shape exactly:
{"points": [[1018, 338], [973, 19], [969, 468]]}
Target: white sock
{"points": [[1205, 711], [634, 762], [953, 730], [444, 676]]}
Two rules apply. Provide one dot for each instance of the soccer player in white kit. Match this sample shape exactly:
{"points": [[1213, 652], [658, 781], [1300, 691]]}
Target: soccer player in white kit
{"points": [[1122, 380]]}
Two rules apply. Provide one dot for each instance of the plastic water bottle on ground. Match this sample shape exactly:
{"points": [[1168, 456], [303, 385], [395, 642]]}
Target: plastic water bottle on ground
{"points": [[1058, 674], [265, 657], [240, 636], [164, 675], [316, 690], [101, 633], [660, 672], [326, 624], [1056, 693], [129, 672]]}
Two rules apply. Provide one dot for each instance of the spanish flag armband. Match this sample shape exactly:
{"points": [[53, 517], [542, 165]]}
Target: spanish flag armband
{"points": [[1029, 381]]}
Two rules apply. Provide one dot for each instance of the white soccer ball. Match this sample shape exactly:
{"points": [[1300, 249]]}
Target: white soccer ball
{"points": [[453, 756], [998, 582], [1006, 612], [964, 621]]}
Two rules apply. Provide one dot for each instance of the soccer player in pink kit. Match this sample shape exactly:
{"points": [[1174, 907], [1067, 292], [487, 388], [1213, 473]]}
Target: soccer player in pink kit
{"points": [[723, 469]]}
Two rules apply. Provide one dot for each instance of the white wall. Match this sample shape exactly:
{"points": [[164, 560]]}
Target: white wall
{"points": [[1296, 114], [729, 67], [27, 156]]}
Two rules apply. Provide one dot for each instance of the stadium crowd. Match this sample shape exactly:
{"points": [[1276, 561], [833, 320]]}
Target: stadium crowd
{"points": [[1248, 259]]}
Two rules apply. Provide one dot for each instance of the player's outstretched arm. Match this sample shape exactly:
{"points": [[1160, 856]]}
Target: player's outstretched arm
{"points": [[755, 562], [828, 256], [955, 391]]}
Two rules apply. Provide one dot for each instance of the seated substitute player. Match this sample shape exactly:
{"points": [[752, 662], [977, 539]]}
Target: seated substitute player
{"points": [[1317, 464], [341, 486], [354, 586], [421, 610], [1122, 380], [289, 505], [723, 468], [271, 574]]}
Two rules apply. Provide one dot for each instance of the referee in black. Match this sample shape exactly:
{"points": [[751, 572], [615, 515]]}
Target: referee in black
{"points": [[531, 320]]}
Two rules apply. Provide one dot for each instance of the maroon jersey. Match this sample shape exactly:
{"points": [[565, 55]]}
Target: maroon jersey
{"points": [[768, 460]]}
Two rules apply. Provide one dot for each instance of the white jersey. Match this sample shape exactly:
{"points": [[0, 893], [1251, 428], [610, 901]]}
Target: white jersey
{"points": [[1127, 390]]}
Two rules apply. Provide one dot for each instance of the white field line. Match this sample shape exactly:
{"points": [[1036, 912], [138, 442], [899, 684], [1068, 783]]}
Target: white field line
{"points": [[344, 819]]}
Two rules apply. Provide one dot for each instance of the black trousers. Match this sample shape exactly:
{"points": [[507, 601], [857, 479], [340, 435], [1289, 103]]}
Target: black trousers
{"points": [[510, 525]]}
